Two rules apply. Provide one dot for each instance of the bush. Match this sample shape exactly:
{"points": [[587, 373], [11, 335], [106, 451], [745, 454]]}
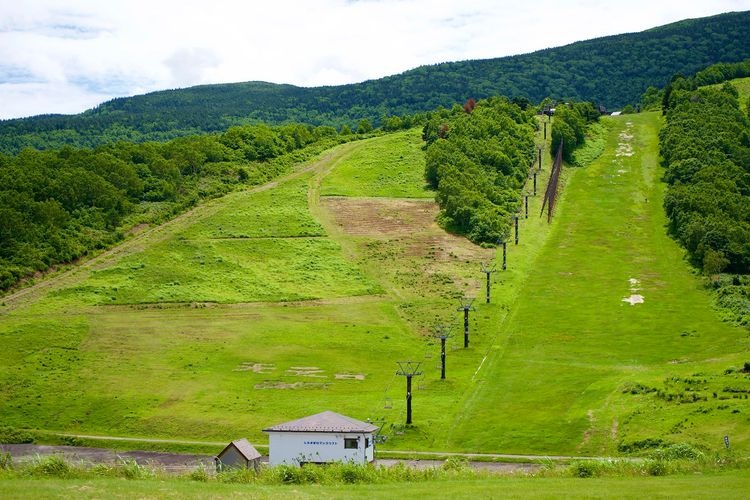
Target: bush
{"points": [[6, 461], [50, 466], [199, 474], [456, 464], [678, 451], [11, 435], [656, 467], [584, 468], [130, 469]]}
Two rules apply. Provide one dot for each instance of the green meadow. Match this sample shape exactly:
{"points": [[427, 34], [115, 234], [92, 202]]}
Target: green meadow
{"points": [[587, 369], [726, 485], [300, 296]]}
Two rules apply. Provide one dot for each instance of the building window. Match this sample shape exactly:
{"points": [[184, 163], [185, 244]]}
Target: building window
{"points": [[351, 443], [367, 442]]}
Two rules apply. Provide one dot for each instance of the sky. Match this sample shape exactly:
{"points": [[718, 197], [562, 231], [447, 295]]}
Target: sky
{"points": [[66, 56]]}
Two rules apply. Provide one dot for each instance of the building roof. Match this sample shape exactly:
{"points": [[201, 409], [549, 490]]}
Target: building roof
{"points": [[244, 447], [328, 421]]}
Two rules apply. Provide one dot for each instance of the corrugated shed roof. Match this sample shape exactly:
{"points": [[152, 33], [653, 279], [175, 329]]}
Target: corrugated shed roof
{"points": [[244, 447], [327, 421]]}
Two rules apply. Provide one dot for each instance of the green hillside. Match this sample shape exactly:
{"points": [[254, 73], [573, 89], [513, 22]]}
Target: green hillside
{"points": [[613, 71], [301, 294]]}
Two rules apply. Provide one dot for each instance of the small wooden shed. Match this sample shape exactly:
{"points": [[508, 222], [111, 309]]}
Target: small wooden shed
{"points": [[238, 454]]}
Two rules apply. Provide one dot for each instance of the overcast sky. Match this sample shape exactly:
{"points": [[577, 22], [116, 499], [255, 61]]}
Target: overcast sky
{"points": [[65, 56]]}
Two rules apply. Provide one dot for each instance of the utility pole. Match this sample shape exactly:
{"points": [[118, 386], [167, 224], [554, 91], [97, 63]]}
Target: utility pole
{"points": [[466, 307], [442, 332], [408, 369], [488, 270], [515, 220], [535, 183]]}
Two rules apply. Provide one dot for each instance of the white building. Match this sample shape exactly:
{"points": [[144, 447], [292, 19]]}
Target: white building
{"points": [[322, 438]]}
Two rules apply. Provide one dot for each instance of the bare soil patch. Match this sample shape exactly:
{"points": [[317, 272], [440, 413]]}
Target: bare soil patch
{"points": [[411, 222], [306, 371], [381, 216], [255, 367], [295, 385]]}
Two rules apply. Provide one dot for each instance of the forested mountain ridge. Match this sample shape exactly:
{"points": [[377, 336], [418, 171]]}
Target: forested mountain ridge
{"points": [[613, 71]]}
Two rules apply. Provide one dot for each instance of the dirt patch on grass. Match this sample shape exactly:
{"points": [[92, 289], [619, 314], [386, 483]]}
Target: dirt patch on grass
{"points": [[255, 367], [306, 371], [380, 216], [409, 223], [295, 385], [349, 376]]}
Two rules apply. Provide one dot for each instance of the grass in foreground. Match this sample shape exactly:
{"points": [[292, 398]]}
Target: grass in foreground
{"points": [[52, 477]]}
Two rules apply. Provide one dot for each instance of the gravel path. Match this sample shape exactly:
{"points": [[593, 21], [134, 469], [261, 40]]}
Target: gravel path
{"points": [[181, 463]]}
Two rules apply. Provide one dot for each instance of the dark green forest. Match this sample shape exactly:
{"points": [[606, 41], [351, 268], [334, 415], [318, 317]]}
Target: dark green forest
{"points": [[705, 146], [613, 71], [478, 160], [59, 205]]}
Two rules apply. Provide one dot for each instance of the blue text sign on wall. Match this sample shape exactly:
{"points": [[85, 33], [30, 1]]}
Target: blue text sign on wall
{"points": [[324, 443]]}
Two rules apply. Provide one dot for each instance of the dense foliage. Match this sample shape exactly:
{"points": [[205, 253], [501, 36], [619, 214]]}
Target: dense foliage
{"points": [[58, 205], [613, 71], [705, 147], [478, 159], [570, 124], [714, 74]]}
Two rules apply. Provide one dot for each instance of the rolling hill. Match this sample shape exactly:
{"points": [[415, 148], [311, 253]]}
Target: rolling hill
{"points": [[300, 294], [613, 71]]}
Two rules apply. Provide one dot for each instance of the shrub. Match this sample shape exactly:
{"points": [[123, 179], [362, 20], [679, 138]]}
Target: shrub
{"points": [[50, 466], [198, 474], [584, 468], [678, 451], [11, 435], [130, 469], [456, 464], [656, 467], [6, 461]]}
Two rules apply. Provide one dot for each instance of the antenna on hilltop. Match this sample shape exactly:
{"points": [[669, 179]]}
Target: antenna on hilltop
{"points": [[466, 307], [486, 269], [408, 369]]}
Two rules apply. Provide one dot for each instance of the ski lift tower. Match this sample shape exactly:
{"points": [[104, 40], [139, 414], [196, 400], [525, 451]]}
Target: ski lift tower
{"points": [[442, 332], [488, 269], [466, 307], [408, 369]]}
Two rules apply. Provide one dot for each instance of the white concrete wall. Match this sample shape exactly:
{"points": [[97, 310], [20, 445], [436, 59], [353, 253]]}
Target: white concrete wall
{"points": [[294, 447]]}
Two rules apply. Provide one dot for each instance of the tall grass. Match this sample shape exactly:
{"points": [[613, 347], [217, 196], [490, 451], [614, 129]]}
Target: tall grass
{"points": [[677, 460]]}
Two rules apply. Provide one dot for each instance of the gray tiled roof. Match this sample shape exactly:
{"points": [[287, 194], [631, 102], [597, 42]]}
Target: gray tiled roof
{"points": [[244, 447], [328, 421]]}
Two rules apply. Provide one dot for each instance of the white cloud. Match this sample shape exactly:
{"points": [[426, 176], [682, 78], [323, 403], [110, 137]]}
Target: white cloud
{"points": [[67, 55]]}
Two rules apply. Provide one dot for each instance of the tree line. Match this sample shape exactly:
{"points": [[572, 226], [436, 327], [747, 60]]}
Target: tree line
{"points": [[705, 146], [613, 71], [59, 205], [477, 159]]}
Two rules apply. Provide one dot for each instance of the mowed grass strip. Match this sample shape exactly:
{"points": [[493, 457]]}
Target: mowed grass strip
{"points": [[259, 246], [278, 212], [391, 166], [556, 380]]}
